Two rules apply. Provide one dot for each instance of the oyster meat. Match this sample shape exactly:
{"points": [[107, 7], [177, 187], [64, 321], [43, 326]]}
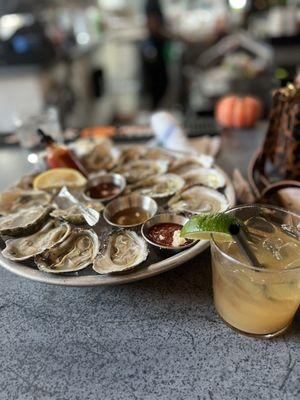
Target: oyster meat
{"points": [[103, 157], [16, 199], [83, 146], [198, 199], [132, 154], [74, 214], [25, 247], [210, 177], [141, 169], [25, 221], [124, 250], [188, 163], [159, 186], [158, 153], [73, 254]]}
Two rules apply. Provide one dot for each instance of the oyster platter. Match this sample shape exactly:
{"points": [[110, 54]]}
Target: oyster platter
{"points": [[118, 223]]}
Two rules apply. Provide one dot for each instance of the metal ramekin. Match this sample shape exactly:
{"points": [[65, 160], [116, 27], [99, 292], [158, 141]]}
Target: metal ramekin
{"points": [[125, 202], [165, 218], [116, 179]]}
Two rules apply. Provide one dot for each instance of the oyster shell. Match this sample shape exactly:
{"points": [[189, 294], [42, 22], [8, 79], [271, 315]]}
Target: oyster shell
{"points": [[15, 199], [198, 199], [141, 169], [159, 186], [132, 154], [26, 182], [158, 153], [210, 177], [83, 146], [73, 214], [25, 247], [25, 221], [103, 157], [125, 250], [73, 254], [186, 164]]}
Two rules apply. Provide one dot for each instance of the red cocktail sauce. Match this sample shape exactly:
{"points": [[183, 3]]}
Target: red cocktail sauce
{"points": [[103, 190], [162, 234]]}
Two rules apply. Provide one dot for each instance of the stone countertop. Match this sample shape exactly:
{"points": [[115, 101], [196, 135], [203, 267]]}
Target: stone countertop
{"points": [[155, 339]]}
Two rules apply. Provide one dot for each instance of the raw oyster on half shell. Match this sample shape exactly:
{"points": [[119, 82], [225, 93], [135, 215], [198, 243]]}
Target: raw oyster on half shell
{"points": [[78, 251], [15, 199], [159, 186], [103, 157], [25, 247], [124, 251], [188, 163], [159, 153], [210, 177], [142, 169], [25, 221], [198, 199], [131, 154]]}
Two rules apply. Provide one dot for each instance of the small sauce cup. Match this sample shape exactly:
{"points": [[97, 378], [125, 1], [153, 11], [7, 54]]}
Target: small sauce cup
{"points": [[110, 179], [139, 204], [162, 219]]}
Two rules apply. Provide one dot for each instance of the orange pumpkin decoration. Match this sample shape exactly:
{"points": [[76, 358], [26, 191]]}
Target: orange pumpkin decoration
{"points": [[238, 112]]}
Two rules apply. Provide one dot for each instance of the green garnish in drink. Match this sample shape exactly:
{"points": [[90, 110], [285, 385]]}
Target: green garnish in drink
{"points": [[225, 228], [201, 227]]}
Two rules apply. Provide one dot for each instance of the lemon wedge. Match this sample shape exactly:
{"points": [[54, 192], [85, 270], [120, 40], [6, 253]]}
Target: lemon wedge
{"points": [[58, 177]]}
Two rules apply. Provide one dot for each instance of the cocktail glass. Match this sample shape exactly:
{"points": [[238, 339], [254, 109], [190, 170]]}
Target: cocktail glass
{"points": [[260, 302]]}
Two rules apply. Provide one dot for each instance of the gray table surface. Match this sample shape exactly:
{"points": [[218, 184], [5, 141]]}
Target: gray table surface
{"points": [[155, 339]]}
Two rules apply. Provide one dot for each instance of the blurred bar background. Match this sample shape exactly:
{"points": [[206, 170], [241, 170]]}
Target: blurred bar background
{"points": [[90, 62]]}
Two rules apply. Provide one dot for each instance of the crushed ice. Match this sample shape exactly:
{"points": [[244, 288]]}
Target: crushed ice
{"points": [[291, 230], [259, 228]]}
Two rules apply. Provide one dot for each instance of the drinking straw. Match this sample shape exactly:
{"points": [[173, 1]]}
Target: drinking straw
{"points": [[239, 236]]}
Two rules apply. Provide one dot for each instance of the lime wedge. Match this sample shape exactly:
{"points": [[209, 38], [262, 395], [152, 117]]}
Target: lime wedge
{"points": [[201, 227]]}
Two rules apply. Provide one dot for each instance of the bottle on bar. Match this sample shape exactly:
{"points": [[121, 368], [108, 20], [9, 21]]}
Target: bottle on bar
{"points": [[58, 156]]}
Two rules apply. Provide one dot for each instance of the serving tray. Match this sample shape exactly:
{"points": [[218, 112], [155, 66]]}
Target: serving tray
{"points": [[155, 264]]}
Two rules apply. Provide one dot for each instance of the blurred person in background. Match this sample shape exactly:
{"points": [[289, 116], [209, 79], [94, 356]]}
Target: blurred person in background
{"points": [[155, 73], [155, 49]]}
